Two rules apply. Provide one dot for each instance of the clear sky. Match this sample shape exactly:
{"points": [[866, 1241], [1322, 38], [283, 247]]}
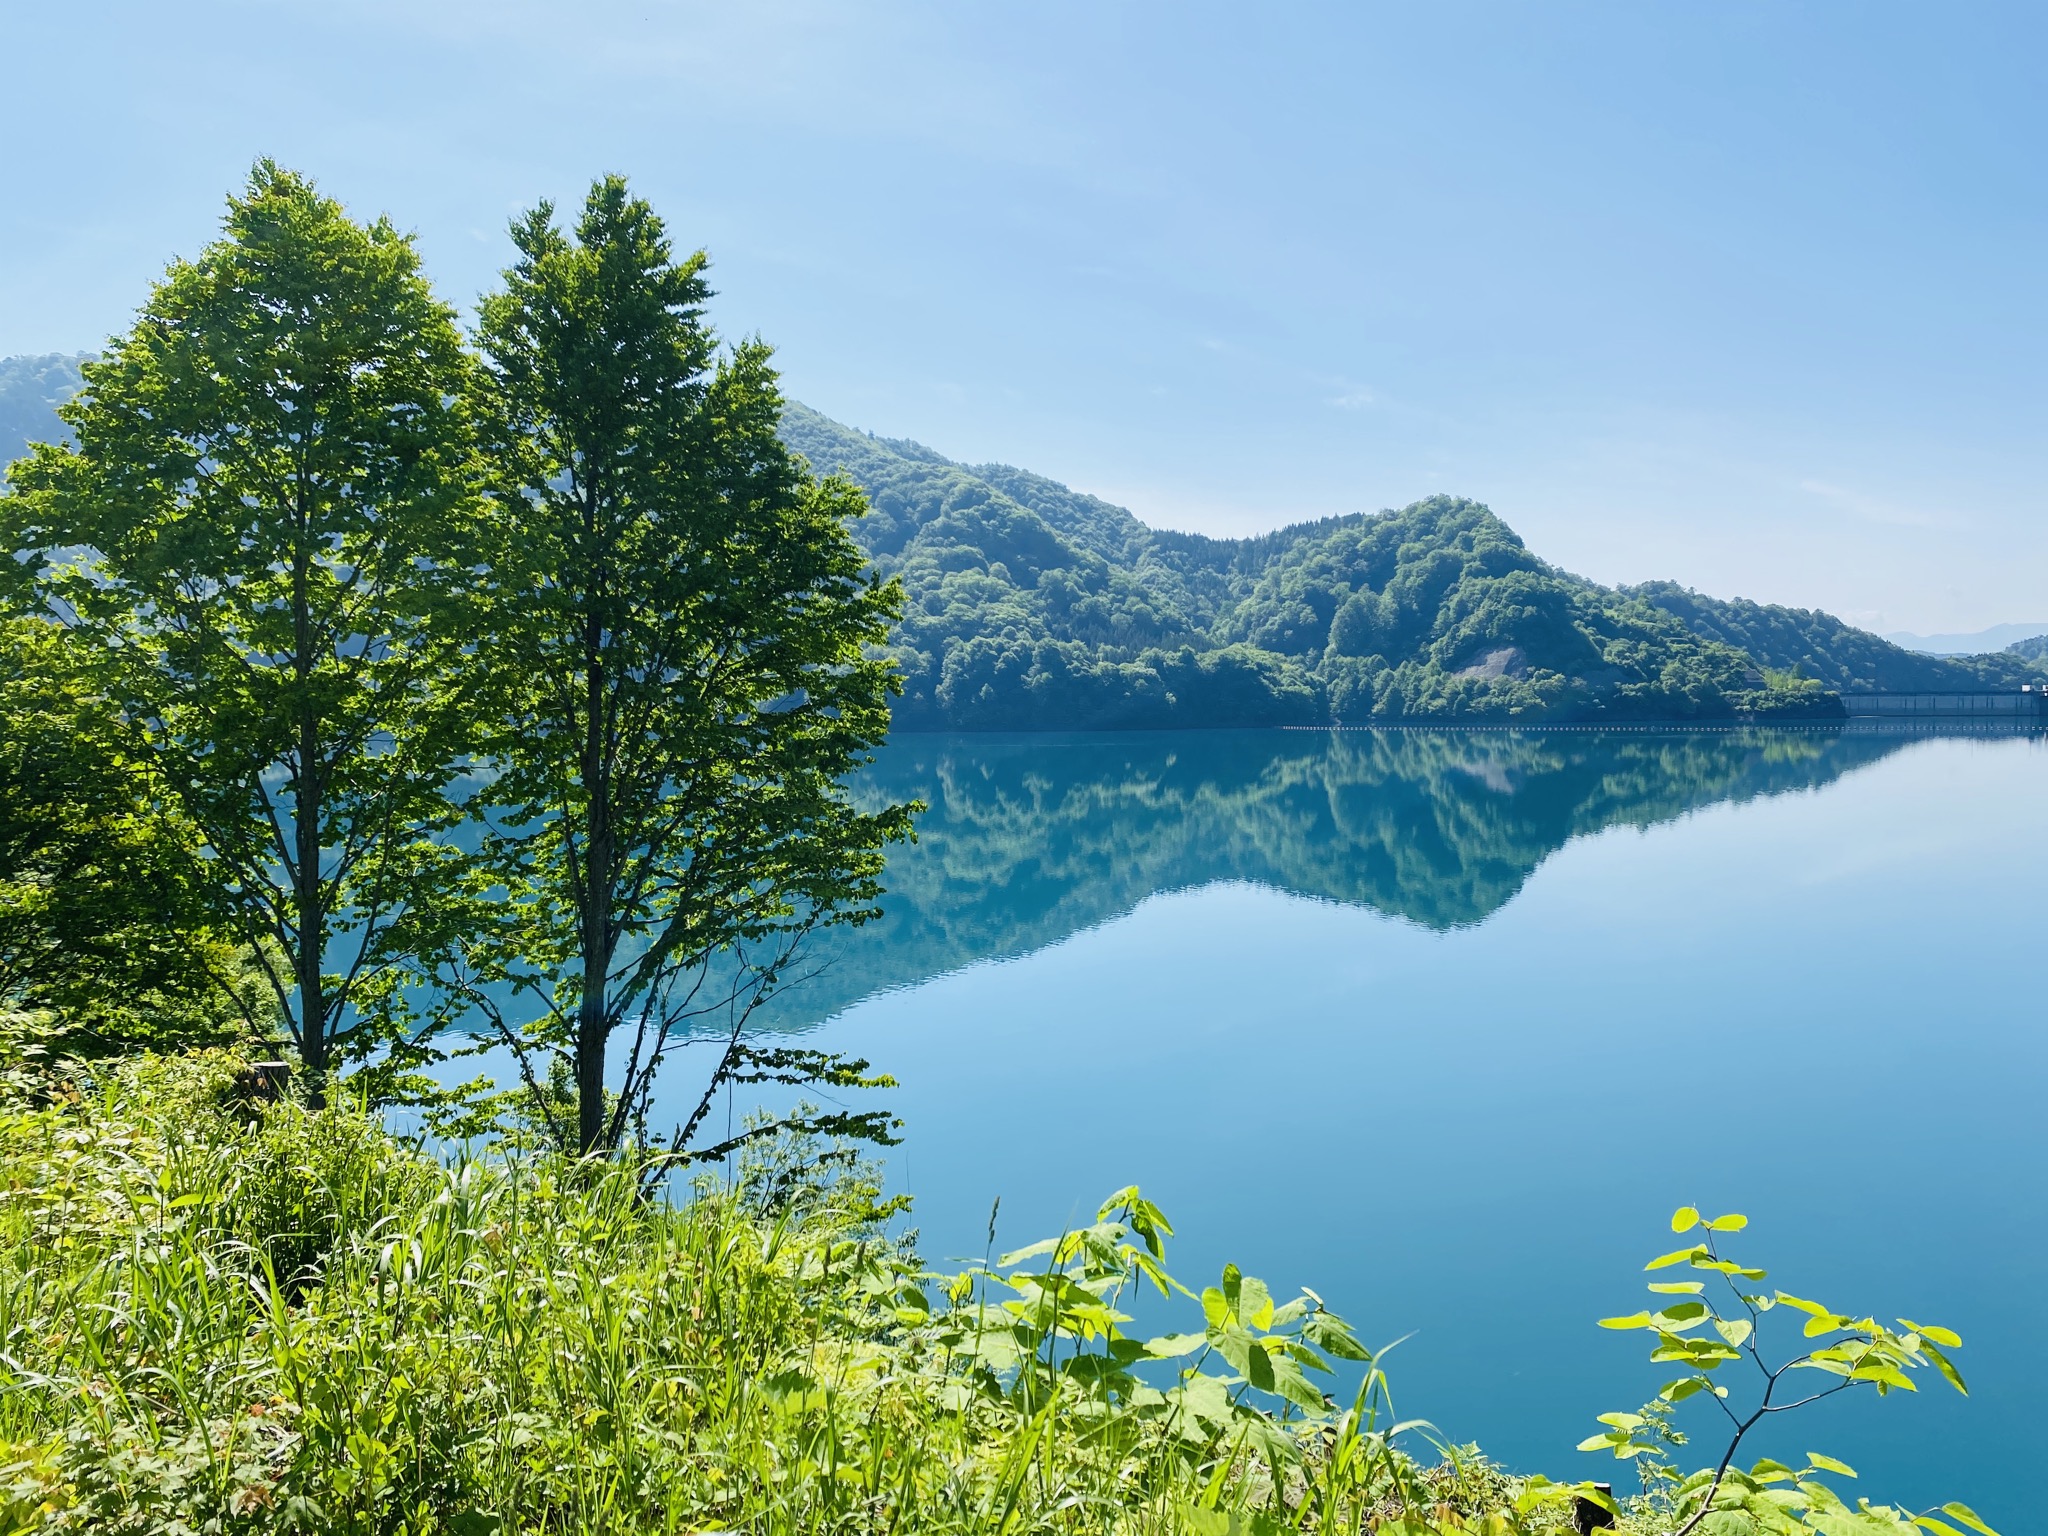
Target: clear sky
{"points": [[1746, 295]]}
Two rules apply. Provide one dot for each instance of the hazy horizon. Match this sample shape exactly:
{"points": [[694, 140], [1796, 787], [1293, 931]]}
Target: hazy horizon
{"points": [[1741, 298]]}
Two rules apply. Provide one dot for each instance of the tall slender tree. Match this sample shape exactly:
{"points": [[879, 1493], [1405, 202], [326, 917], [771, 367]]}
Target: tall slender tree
{"points": [[685, 638], [253, 536]]}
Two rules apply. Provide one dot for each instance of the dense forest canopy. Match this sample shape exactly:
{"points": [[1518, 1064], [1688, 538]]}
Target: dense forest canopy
{"points": [[1031, 606]]}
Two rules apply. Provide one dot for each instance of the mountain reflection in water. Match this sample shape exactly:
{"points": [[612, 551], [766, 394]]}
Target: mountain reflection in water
{"points": [[1029, 839]]}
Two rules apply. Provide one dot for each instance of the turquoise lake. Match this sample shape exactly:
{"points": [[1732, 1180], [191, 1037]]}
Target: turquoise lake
{"points": [[1444, 1024]]}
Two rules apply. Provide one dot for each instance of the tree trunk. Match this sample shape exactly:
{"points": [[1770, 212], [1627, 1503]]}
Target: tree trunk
{"points": [[590, 1043], [306, 895], [592, 1023]]}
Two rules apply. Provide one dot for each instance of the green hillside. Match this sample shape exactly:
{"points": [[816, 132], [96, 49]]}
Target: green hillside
{"points": [[1032, 606], [1035, 607], [31, 389], [1821, 646]]}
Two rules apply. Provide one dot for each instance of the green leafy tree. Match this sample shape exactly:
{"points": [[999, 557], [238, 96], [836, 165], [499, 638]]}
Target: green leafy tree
{"points": [[251, 536], [1714, 1318], [683, 639], [106, 910]]}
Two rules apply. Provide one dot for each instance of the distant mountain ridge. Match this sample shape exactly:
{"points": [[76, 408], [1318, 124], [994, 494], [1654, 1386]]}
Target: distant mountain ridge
{"points": [[1982, 642], [1033, 606], [31, 389]]}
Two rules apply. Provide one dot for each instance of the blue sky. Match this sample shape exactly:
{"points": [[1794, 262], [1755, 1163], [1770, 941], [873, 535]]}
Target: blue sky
{"points": [[1746, 295]]}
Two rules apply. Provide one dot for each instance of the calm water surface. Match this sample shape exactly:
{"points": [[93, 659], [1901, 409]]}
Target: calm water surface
{"points": [[1445, 1024]]}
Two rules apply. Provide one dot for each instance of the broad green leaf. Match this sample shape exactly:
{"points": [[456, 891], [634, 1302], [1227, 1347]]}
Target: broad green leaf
{"points": [[1025, 1255], [1331, 1334], [1729, 1223], [1592, 1493], [1943, 1364], [1307, 1358], [1969, 1517], [1676, 1256], [1295, 1387], [1941, 1336], [1678, 1287], [1633, 1320], [1205, 1397], [1678, 1391], [1829, 1464], [1258, 1367], [1735, 1330], [1254, 1303], [1803, 1305], [1685, 1218]]}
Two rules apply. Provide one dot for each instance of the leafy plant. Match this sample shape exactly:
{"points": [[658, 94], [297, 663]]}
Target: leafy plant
{"points": [[1703, 1324], [529, 1344], [108, 916], [678, 654], [250, 542]]}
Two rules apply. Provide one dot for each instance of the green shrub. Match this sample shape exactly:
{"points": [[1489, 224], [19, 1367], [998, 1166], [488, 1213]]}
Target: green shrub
{"points": [[223, 1316]]}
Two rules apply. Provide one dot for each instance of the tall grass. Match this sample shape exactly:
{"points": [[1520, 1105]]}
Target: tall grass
{"points": [[223, 1317]]}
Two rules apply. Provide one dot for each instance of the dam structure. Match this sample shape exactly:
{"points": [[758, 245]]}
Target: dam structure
{"points": [[2027, 705]]}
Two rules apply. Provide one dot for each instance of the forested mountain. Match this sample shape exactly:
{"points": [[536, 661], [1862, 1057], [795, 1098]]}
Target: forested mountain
{"points": [[1822, 646], [31, 389], [1033, 606]]}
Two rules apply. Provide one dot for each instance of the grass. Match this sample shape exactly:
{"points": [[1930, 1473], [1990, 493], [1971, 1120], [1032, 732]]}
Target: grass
{"points": [[219, 1315]]}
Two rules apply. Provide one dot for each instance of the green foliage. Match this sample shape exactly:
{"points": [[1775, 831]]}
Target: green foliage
{"points": [[531, 1345], [107, 911], [1702, 1324], [232, 1315], [1821, 647], [1029, 606], [249, 538], [1032, 606], [678, 654]]}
